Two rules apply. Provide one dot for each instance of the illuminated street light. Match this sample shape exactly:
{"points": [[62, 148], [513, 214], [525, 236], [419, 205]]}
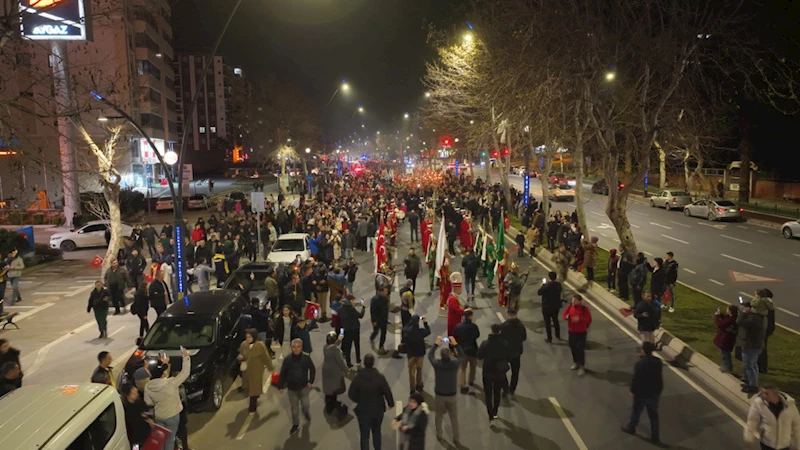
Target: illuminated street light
{"points": [[345, 86], [472, 122], [405, 116], [170, 157], [360, 109], [456, 139], [610, 76], [468, 38], [103, 119], [427, 95], [308, 150]]}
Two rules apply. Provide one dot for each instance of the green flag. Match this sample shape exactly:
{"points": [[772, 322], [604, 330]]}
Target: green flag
{"points": [[500, 246]]}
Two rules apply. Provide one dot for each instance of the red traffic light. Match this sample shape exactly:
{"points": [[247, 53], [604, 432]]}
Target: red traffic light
{"points": [[505, 151], [494, 154], [446, 141]]}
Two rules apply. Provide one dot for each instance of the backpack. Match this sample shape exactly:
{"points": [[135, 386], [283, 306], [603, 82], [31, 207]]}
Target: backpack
{"points": [[637, 275]]}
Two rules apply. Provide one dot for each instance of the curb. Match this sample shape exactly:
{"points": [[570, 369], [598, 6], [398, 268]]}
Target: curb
{"points": [[682, 355]]}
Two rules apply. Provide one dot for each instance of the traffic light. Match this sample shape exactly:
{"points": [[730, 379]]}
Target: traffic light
{"points": [[494, 154], [483, 153], [505, 151], [446, 142]]}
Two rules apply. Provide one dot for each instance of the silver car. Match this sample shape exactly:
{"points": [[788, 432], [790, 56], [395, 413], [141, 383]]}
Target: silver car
{"points": [[791, 229], [714, 209], [676, 199]]}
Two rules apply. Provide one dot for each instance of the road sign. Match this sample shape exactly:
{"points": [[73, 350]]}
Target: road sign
{"points": [[741, 277], [257, 201]]}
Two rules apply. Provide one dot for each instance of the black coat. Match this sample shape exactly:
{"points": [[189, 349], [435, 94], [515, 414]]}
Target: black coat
{"points": [[467, 334], [414, 338], [416, 435], [296, 372], [157, 292], [371, 393], [551, 295], [658, 283], [379, 309], [494, 353], [140, 305], [471, 263], [647, 377], [514, 333], [138, 429], [349, 318]]}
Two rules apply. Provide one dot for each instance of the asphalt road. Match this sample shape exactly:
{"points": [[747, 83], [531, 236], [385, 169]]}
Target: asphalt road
{"points": [[593, 406], [723, 259]]}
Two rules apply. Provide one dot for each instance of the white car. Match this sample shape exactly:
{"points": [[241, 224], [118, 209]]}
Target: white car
{"points": [[198, 201], [288, 246], [791, 229], [93, 234], [164, 204]]}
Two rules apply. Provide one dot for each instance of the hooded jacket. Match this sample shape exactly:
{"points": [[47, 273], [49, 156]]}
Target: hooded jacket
{"points": [[163, 393], [776, 432]]}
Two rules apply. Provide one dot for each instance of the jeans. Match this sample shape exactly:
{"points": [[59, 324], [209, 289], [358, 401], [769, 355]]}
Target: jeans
{"points": [[447, 404], [750, 365], [371, 243], [469, 283], [297, 399], [367, 425], [671, 290], [348, 253], [15, 297], [117, 298], [492, 388], [726, 363], [551, 317], [351, 337], [171, 424], [380, 328], [144, 326], [577, 344], [651, 404]]}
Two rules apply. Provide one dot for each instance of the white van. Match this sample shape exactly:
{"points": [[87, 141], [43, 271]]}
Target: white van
{"points": [[63, 417]]}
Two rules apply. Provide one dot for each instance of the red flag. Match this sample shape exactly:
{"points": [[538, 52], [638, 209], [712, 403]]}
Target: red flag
{"points": [[380, 248], [312, 311], [97, 262]]}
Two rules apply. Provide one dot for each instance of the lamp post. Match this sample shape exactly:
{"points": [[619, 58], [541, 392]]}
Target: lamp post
{"points": [[342, 87]]}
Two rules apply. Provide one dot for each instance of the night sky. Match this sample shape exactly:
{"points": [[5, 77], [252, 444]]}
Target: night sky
{"points": [[378, 45]]}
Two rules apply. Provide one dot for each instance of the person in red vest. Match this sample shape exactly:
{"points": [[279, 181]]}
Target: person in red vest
{"points": [[427, 230], [455, 312], [578, 318]]}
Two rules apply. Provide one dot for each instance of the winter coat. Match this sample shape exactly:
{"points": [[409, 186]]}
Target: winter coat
{"points": [[467, 334], [780, 432], [257, 360], [371, 393], [379, 309], [494, 353], [725, 339], [334, 369], [413, 438], [752, 330], [16, 267], [551, 295], [584, 318], [471, 263], [514, 334], [446, 371], [163, 393], [589, 254], [671, 271], [647, 379], [349, 317], [658, 283], [296, 372], [414, 338], [531, 237], [653, 319], [99, 300], [159, 293], [141, 304]]}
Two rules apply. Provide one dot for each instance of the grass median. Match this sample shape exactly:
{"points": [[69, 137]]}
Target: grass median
{"points": [[693, 323]]}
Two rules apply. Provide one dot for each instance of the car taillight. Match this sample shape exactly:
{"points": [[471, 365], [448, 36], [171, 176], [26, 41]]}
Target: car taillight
{"points": [[621, 185], [673, 199], [720, 209], [138, 353], [741, 209]]}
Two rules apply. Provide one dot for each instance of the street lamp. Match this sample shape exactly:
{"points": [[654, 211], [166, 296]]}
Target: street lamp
{"points": [[360, 109], [610, 76], [308, 150], [170, 158], [427, 95], [468, 38], [342, 87], [405, 116]]}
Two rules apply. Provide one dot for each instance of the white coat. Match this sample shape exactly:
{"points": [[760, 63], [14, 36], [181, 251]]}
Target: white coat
{"points": [[783, 432]]}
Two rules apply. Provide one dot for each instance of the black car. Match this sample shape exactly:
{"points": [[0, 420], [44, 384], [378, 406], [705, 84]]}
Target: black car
{"points": [[237, 196], [249, 279], [211, 326], [601, 186]]}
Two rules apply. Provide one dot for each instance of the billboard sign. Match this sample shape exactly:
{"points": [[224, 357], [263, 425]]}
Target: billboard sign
{"points": [[55, 20]]}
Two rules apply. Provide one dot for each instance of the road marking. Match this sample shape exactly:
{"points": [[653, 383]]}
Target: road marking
{"points": [[762, 231], [500, 316], [591, 229], [741, 277], [735, 239], [796, 254], [635, 226], [675, 239], [398, 409], [568, 424], [640, 213], [742, 261], [681, 224], [397, 332], [25, 315], [647, 253], [247, 420], [690, 271], [716, 282], [743, 227], [117, 331], [745, 294], [597, 213], [20, 307], [42, 353], [717, 226], [788, 312], [603, 234], [656, 224]]}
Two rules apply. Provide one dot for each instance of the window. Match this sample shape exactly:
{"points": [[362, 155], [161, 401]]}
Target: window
{"points": [[145, 41], [202, 129], [213, 129], [147, 68], [93, 228], [153, 121], [172, 126], [225, 323], [99, 433]]}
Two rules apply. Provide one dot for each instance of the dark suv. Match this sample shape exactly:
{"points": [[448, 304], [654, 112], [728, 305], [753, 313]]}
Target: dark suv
{"points": [[211, 326]]}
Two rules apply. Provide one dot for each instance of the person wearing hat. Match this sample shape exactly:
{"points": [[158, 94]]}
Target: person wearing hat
{"points": [[589, 256], [445, 285], [412, 423], [455, 312], [334, 369], [430, 260], [513, 285]]}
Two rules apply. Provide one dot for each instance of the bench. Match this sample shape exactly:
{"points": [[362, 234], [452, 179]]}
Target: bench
{"points": [[9, 319]]}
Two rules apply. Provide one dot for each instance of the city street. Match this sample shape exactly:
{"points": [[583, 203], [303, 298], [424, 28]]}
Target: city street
{"points": [[723, 259]]}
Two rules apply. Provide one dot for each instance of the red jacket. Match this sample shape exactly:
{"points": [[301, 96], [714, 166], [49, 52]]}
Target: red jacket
{"points": [[454, 313], [198, 234], [725, 339], [584, 318]]}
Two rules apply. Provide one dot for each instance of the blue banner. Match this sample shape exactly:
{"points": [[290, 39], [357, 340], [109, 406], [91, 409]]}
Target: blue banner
{"points": [[27, 232], [527, 184]]}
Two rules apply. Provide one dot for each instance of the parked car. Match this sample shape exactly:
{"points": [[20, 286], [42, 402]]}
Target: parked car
{"points": [[211, 326], [791, 229], [601, 186], [93, 234], [288, 246], [237, 196], [671, 199], [197, 202], [250, 278], [714, 209], [164, 204], [558, 178], [563, 192]]}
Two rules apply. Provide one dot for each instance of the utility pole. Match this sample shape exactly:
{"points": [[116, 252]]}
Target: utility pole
{"points": [[69, 176]]}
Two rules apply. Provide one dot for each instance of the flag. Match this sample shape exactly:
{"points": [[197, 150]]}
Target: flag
{"points": [[97, 262], [483, 250], [500, 246], [380, 248], [477, 245], [441, 248]]}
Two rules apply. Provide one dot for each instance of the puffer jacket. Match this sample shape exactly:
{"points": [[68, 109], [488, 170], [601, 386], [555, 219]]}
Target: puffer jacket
{"points": [[164, 393], [780, 432]]}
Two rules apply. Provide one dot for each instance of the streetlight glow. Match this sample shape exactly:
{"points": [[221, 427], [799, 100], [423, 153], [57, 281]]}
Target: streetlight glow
{"points": [[360, 109], [308, 150], [610, 76], [405, 116], [468, 37], [345, 87], [427, 95], [170, 157], [103, 119], [456, 139]]}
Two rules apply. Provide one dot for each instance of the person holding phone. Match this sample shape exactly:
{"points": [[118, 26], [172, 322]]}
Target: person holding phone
{"points": [[163, 393], [725, 340], [334, 369], [350, 321], [750, 337], [414, 335]]}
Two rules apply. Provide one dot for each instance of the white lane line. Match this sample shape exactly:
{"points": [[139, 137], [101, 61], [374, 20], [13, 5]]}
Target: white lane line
{"points": [[500, 316], [656, 224], [25, 315], [681, 224], [20, 307], [675, 239], [640, 213], [603, 234], [591, 229], [690, 271], [745, 294], [41, 355], [735, 239], [796, 254], [117, 331], [742, 261], [635, 226], [762, 231], [647, 253], [245, 426], [716, 282], [397, 332], [568, 424], [743, 227], [788, 312], [597, 213]]}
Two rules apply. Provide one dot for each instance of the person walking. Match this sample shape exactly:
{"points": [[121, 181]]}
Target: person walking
{"points": [[99, 301], [470, 263], [158, 291], [670, 279], [578, 318], [407, 303], [297, 374], [379, 315], [140, 307], [648, 314], [515, 334], [494, 354], [103, 373], [773, 420], [163, 393], [562, 259], [445, 372], [413, 222], [373, 397], [467, 334], [725, 340], [284, 324], [334, 369], [116, 280], [15, 267], [454, 309], [350, 321], [414, 335], [149, 235], [750, 337], [646, 387], [412, 422], [253, 360], [411, 266], [135, 264], [551, 291]]}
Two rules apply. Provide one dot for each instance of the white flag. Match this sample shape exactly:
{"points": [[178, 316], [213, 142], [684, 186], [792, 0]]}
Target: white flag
{"points": [[441, 248]]}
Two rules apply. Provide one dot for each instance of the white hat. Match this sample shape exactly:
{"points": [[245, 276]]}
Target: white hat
{"points": [[456, 279]]}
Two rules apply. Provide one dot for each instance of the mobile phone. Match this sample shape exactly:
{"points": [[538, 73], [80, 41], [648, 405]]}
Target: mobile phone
{"points": [[445, 340], [182, 349], [341, 332], [544, 280], [740, 300], [316, 313], [718, 310], [362, 302]]}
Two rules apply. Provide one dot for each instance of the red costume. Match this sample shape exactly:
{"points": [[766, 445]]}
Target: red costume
{"points": [[466, 234], [445, 287], [454, 313], [426, 236]]}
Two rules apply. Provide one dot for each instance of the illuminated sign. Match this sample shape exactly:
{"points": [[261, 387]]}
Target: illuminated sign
{"points": [[55, 20]]}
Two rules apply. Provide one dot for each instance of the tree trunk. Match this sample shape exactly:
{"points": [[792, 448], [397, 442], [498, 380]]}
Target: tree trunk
{"points": [[284, 181], [617, 204], [578, 159], [662, 166], [746, 152], [628, 162], [111, 194], [545, 181], [504, 168], [686, 174]]}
